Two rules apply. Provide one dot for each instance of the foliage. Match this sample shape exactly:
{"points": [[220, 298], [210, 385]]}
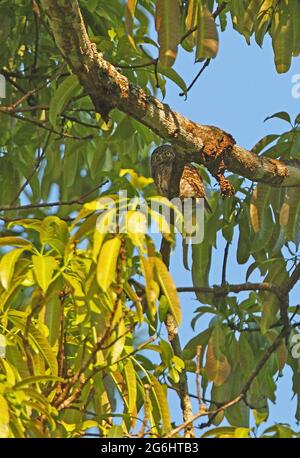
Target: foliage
{"points": [[82, 310]]}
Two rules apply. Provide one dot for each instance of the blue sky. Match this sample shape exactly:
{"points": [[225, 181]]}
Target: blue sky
{"points": [[236, 92]]}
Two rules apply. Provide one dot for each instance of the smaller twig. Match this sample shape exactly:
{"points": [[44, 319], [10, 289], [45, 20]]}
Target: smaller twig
{"points": [[137, 66], [74, 396], [204, 66], [78, 121], [61, 340], [224, 267], [295, 312], [29, 359], [198, 369], [42, 125], [36, 14], [215, 14], [37, 89], [78, 201]]}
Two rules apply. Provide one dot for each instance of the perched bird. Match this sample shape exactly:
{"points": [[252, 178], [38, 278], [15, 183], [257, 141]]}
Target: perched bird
{"points": [[165, 171], [174, 177]]}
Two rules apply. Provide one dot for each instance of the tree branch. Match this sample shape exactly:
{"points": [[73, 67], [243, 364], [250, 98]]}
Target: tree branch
{"points": [[110, 89], [78, 201]]}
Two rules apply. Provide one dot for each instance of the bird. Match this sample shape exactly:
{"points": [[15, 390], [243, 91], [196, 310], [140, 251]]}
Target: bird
{"points": [[174, 177]]}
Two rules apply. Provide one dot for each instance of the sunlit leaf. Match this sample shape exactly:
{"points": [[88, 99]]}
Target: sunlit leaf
{"points": [[7, 266], [107, 262], [169, 288], [43, 268], [168, 19]]}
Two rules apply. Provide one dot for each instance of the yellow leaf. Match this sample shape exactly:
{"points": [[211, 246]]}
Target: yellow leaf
{"points": [[130, 377], [152, 288], [4, 418], [105, 223], [160, 392], [7, 266], [107, 262], [169, 288], [14, 241], [43, 268], [135, 225], [138, 181]]}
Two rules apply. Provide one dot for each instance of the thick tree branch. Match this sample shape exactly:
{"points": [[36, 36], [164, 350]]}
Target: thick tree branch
{"points": [[109, 89]]}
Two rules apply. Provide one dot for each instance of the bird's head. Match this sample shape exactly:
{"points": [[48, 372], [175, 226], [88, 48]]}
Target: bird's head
{"points": [[163, 155]]}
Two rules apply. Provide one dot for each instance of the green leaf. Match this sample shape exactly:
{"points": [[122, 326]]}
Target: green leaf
{"points": [[282, 37], [173, 76], [52, 319], [115, 431], [43, 268], [280, 115], [265, 141], [19, 319], [55, 233], [207, 36], [166, 351], [260, 416], [264, 18], [249, 18], [37, 379], [217, 366], [7, 367], [201, 339], [71, 162], [167, 23], [191, 22], [201, 255], [67, 89], [27, 223], [294, 11], [259, 202]]}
